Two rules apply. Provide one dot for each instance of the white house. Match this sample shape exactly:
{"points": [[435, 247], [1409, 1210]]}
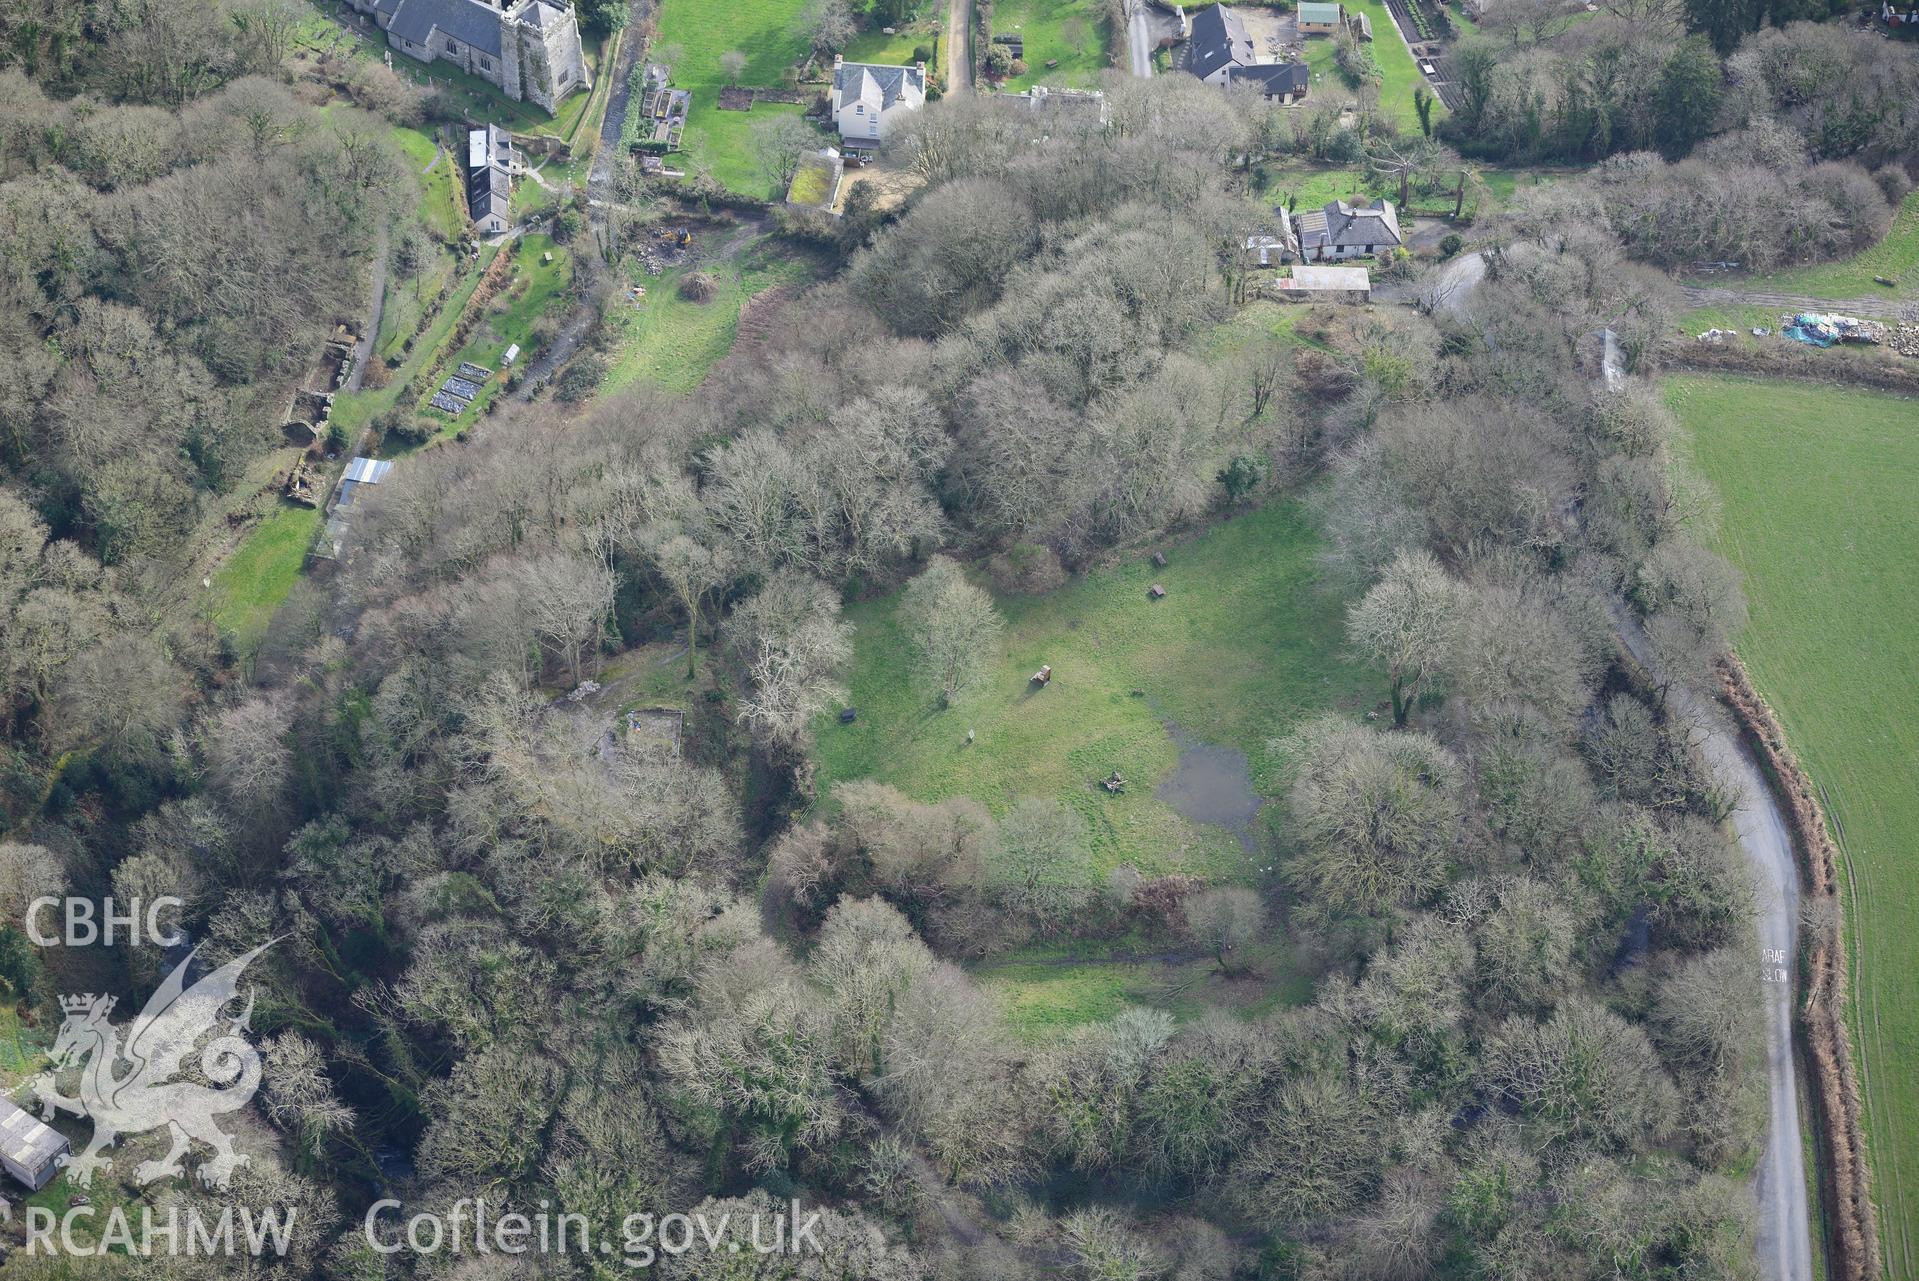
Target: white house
{"points": [[529, 48], [868, 99], [1343, 231]]}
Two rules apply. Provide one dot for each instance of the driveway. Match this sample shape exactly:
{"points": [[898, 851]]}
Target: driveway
{"points": [[1784, 1247]]}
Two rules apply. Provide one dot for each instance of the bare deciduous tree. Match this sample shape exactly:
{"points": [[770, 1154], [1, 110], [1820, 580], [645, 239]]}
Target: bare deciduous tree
{"points": [[953, 626]]}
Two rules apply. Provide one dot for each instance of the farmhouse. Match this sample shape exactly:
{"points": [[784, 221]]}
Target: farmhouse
{"points": [[29, 1150], [1218, 44], [530, 49], [868, 98], [1325, 284], [489, 178], [1341, 230], [1318, 19], [1221, 53]]}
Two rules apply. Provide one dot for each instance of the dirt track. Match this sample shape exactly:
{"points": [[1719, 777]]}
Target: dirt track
{"points": [[1883, 307]]}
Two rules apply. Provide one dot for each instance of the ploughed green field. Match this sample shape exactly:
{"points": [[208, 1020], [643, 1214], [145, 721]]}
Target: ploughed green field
{"points": [[1245, 643], [1817, 487]]}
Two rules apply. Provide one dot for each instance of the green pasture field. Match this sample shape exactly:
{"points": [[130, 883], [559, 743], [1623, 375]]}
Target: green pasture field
{"points": [[1244, 645], [874, 45], [1816, 485]]}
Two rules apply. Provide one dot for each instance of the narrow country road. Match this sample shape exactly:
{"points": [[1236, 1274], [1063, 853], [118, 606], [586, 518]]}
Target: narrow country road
{"points": [[1139, 39], [1784, 1247], [959, 45]]}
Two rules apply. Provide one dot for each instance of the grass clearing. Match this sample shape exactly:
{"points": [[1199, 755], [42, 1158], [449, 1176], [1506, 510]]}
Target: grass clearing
{"points": [[671, 342], [1072, 32], [442, 205], [1816, 483], [896, 50], [1245, 644], [255, 580], [1045, 993]]}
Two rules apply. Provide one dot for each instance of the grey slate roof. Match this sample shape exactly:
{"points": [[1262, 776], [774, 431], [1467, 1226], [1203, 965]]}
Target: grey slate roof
{"points": [[1218, 40], [467, 21], [853, 78], [1272, 78], [543, 16], [1340, 224]]}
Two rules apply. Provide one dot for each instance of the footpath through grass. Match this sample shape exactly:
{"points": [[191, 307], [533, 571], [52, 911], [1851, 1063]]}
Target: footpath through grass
{"points": [[1817, 486], [1244, 645]]}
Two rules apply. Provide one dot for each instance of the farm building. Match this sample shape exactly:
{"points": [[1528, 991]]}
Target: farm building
{"points": [[868, 98], [816, 179], [1325, 284], [529, 49], [1281, 82], [1274, 245], [1317, 18], [489, 178], [29, 1150], [359, 471], [1341, 230]]}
